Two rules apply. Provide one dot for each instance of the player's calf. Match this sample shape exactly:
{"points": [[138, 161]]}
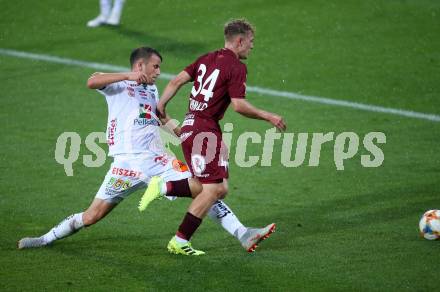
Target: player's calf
{"points": [[97, 210]]}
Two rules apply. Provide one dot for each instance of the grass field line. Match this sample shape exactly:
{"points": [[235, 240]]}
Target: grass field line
{"points": [[255, 89]]}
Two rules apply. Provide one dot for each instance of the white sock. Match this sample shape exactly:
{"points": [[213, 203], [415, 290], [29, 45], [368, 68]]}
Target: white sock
{"points": [[223, 215], [117, 6], [180, 239], [115, 15], [105, 7], [67, 227], [163, 188]]}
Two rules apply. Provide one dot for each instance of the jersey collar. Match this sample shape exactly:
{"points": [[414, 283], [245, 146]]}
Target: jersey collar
{"points": [[229, 52]]}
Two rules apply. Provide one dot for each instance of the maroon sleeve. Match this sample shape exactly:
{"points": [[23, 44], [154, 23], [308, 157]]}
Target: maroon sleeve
{"points": [[192, 69], [237, 82]]}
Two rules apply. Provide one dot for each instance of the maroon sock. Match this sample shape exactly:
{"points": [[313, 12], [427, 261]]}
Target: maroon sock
{"points": [[189, 225], [178, 188]]}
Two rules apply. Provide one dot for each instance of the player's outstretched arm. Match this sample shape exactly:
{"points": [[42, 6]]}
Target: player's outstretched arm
{"points": [[171, 125], [243, 107], [170, 91], [99, 80]]}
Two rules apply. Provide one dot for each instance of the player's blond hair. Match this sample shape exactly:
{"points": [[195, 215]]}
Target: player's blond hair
{"points": [[238, 26]]}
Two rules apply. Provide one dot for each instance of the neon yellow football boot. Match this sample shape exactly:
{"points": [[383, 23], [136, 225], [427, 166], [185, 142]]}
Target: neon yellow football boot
{"points": [[151, 193], [182, 248]]}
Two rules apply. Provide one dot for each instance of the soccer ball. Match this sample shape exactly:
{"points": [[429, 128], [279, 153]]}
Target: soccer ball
{"points": [[429, 225]]}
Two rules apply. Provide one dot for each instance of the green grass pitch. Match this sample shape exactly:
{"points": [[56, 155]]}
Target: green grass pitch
{"points": [[350, 230]]}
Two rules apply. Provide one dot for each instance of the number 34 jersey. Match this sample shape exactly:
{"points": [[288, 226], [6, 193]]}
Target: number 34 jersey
{"points": [[218, 76]]}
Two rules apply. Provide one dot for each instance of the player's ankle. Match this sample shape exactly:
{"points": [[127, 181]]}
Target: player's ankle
{"points": [[240, 231], [47, 239], [180, 239], [163, 188]]}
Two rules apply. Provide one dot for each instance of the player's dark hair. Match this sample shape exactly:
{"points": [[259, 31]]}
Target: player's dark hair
{"points": [[238, 27], [143, 53]]}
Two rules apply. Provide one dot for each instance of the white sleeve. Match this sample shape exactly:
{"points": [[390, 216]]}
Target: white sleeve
{"points": [[112, 88]]}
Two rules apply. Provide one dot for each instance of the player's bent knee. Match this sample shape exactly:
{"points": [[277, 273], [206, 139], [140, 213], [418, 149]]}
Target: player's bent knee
{"points": [[222, 191], [221, 196]]}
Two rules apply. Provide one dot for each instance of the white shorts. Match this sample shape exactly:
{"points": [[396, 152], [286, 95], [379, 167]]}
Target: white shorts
{"points": [[129, 173]]}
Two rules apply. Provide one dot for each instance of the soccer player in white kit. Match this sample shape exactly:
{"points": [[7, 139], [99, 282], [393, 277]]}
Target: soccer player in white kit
{"points": [[108, 13], [134, 143]]}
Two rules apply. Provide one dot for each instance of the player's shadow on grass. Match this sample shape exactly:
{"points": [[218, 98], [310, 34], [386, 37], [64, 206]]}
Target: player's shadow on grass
{"points": [[147, 261], [162, 44]]}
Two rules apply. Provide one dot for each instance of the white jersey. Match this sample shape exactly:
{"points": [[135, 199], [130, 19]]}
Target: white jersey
{"points": [[132, 125]]}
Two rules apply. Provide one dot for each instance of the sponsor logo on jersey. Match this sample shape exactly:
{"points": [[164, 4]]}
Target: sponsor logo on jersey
{"points": [[195, 105], [117, 184], [161, 159], [146, 94], [111, 132], [130, 91], [179, 165], [198, 164], [144, 111], [202, 175], [188, 122], [185, 136], [145, 117], [126, 172], [145, 122]]}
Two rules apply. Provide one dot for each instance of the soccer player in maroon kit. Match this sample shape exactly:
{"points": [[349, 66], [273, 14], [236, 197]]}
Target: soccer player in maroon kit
{"points": [[219, 79]]}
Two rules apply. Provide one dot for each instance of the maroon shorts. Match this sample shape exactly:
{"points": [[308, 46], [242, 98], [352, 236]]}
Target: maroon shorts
{"points": [[204, 150]]}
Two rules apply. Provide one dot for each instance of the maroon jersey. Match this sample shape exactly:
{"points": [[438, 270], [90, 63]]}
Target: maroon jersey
{"points": [[217, 77]]}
